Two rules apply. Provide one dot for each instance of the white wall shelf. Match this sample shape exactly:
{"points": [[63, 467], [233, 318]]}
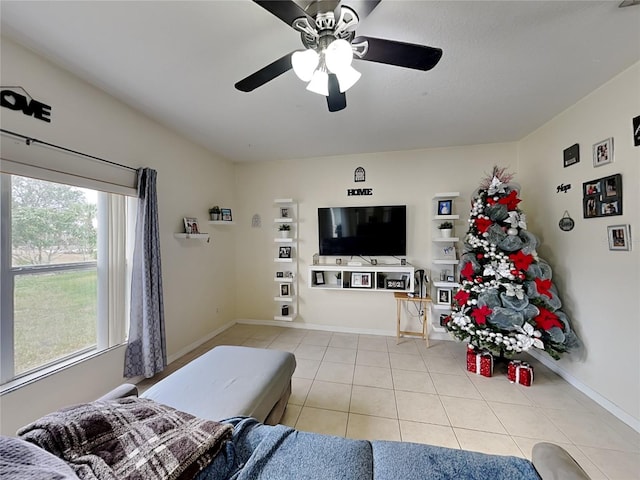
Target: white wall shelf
{"points": [[446, 239], [446, 262], [286, 213], [192, 236], [375, 281], [446, 284], [446, 217], [221, 222], [446, 195]]}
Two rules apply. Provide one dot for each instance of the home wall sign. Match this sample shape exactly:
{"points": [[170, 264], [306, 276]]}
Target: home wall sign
{"points": [[359, 175], [13, 100], [355, 192], [563, 188]]}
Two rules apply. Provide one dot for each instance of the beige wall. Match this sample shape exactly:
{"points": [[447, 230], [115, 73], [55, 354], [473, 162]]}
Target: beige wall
{"points": [[199, 281], [600, 288], [408, 178]]}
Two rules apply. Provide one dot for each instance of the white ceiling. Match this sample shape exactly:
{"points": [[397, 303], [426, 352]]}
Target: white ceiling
{"points": [[508, 67]]}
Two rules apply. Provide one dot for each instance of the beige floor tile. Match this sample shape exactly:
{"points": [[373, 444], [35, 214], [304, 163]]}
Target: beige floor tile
{"points": [[438, 435], [556, 394], [317, 420], [455, 386], [405, 345], [299, 390], [291, 414], [283, 346], [379, 402], [437, 348], [372, 376], [445, 364], [367, 427], [335, 372], [404, 361], [471, 414], [486, 442], [526, 447], [317, 338], [499, 389], [615, 464], [412, 381], [306, 368], [310, 352], [372, 358], [588, 429], [257, 343], [372, 342], [421, 407], [340, 355], [344, 340], [526, 421], [291, 336], [329, 396]]}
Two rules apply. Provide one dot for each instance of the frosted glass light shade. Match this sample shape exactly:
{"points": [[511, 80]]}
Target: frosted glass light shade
{"points": [[319, 83], [304, 64], [347, 78], [338, 56]]}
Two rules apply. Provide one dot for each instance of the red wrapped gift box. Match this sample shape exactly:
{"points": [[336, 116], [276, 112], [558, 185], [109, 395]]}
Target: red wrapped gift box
{"points": [[520, 372], [480, 363]]}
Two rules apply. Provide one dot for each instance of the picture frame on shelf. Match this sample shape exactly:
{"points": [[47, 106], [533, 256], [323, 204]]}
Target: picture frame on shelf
{"points": [[444, 207], [619, 237], [284, 252], [319, 278], [443, 296], [451, 278], [288, 274], [603, 152], [279, 274], [284, 212], [284, 310], [447, 252], [191, 225], [284, 290], [226, 214], [443, 319], [361, 280]]}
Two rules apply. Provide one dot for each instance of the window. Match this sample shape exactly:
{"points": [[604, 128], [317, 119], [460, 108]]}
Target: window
{"points": [[64, 273]]}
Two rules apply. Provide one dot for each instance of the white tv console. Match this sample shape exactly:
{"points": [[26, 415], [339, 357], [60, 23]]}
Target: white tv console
{"points": [[364, 278]]}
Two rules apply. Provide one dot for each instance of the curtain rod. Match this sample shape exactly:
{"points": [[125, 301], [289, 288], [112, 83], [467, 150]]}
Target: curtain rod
{"points": [[30, 140]]}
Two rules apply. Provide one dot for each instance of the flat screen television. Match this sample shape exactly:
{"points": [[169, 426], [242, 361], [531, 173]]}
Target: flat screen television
{"points": [[365, 231]]}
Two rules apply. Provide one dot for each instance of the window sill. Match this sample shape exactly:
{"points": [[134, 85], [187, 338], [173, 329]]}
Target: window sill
{"points": [[33, 377]]}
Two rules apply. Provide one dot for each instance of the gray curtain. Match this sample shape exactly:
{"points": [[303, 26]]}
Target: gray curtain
{"points": [[146, 352]]}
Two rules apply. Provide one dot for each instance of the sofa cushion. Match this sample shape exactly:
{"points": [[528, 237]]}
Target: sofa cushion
{"points": [[411, 461], [228, 381], [25, 461]]}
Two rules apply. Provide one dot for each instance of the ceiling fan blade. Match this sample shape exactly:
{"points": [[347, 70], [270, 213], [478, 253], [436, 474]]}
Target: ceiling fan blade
{"points": [[362, 7], [265, 74], [336, 100], [391, 52], [285, 10]]}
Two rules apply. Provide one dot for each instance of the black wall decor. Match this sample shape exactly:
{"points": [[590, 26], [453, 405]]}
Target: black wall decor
{"points": [[636, 131], [602, 197], [354, 192], [571, 155], [359, 175], [563, 188], [12, 100]]}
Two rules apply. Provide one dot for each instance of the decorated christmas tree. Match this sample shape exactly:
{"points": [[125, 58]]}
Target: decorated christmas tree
{"points": [[507, 302]]}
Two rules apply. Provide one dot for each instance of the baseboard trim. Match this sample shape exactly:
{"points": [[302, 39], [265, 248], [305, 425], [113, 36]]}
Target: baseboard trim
{"points": [[588, 391]]}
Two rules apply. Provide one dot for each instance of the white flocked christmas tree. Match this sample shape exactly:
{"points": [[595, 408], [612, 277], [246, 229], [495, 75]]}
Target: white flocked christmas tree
{"points": [[507, 302]]}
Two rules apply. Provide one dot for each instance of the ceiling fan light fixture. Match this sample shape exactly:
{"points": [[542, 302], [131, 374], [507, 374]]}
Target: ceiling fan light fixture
{"points": [[347, 78], [304, 64], [319, 83], [338, 56]]}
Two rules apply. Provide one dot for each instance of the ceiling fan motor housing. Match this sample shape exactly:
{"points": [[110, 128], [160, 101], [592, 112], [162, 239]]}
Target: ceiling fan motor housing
{"points": [[326, 29]]}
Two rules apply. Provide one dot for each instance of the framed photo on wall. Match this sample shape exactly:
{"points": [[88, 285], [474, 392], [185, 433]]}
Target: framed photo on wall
{"points": [[191, 225], [619, 237], [226, 214], [361, 280], [284, 290], [443, 296], [602, 197], [444, 207], [603, 152]]}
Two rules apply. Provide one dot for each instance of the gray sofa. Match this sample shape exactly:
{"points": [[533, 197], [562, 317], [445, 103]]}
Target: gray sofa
{"points": [[254, 450]]}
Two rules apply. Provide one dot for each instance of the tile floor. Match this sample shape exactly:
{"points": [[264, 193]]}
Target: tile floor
{"points": [[363, 386]]}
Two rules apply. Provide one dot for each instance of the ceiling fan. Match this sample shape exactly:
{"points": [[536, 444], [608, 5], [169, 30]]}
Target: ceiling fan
{"points": [[327, 29]]}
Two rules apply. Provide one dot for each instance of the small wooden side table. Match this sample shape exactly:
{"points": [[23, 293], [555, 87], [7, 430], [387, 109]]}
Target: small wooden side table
{"points": [[423, 302]]}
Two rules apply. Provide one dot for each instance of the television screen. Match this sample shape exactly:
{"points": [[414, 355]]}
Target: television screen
{"points": [[366, 231]]}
